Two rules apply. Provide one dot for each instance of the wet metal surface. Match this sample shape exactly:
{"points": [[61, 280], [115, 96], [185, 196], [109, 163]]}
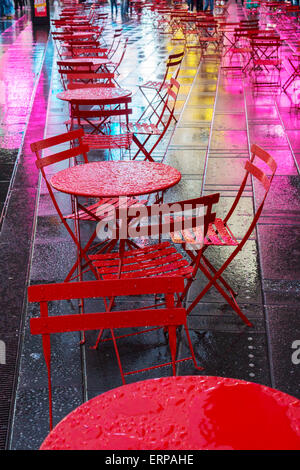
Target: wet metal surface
{"points": [[219, 117]]}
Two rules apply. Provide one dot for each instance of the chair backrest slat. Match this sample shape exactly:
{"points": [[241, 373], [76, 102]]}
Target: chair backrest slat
{"points": [[201, 209], [60, 156], [107, 320], [260, 175], [56, 140], [89, 289]]}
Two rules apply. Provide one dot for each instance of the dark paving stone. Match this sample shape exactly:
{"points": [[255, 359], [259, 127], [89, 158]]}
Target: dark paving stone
{"points": [[51, 229], [219, 316], [52, 260], [284, 342], [281, 292], [20, 212], [238, 355], [279, 252], [8, 156], [4, 185], [31, 425], [6, 170]]}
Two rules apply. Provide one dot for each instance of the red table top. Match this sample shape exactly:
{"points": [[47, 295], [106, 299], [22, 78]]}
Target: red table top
{"points": [[92, 60], [176, 413], [114, 179], [82, 35], [97, 94]]}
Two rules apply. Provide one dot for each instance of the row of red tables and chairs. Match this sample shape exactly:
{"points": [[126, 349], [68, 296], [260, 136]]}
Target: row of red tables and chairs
{"points": [[121, 263], [256, 46]]}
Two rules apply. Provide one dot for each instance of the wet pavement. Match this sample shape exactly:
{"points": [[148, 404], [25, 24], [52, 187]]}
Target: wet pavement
{"points": [[219, 118]]}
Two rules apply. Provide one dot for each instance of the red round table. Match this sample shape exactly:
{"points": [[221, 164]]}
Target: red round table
{"points": [[114, 179], [99, 62], [176, 413], [96, 95], [82, 35]]}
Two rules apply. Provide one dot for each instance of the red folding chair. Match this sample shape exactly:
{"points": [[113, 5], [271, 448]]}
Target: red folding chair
{"points": [[266, 60], [156, 126], [158, 88], [220, 234], [78, 49], [160, 258], [84, 79], [114, 64], [105, 124], [169, 318]]}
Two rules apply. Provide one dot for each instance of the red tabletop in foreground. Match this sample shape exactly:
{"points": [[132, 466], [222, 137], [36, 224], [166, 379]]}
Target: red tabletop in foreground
{"points": [[97, 94], [82, 35], [113, 179], [92, 60], [182, 413]]}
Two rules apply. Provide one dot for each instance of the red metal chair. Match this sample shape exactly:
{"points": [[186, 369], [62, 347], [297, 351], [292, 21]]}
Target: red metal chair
{"points": [[159, 88], [114, 64], [103, 123], [158, 259], [169, 317], [76, 154], [208, 34], [95, 49], [266, 60], [102, 132], [157, 125], [84, 79], [220, 234]]}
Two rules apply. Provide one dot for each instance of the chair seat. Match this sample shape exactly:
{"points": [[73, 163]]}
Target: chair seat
{"points": [[218, 234], [161, 259], [275, 62], [96, 141], [141, 128], [241, 50], [154, 85], [83, 122], [208, 39], [100, 208]]}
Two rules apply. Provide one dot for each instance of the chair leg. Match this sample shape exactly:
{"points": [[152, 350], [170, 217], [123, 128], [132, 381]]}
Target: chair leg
{"points": [[191, 348], [118, 356], [47, 355], [173, 346]]}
